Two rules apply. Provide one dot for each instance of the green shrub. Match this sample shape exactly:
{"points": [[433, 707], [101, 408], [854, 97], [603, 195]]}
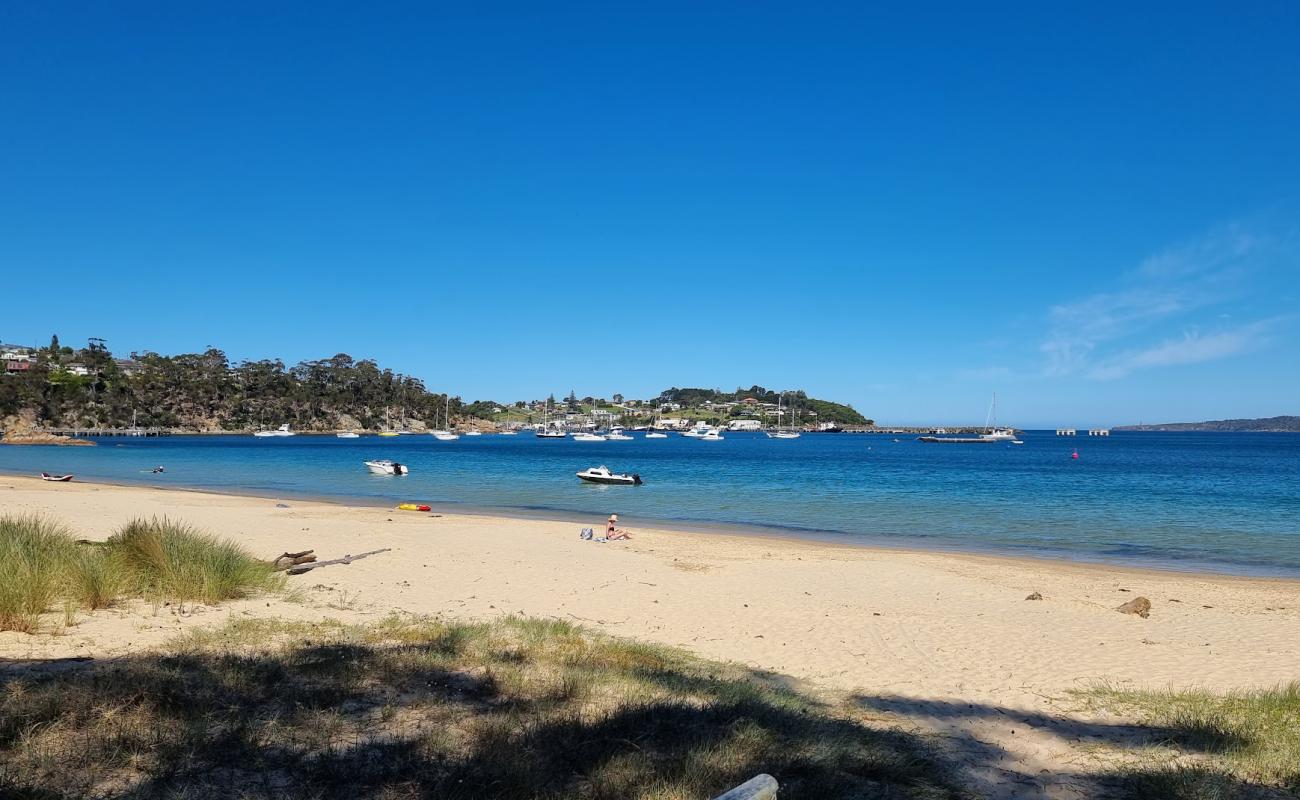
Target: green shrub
{"points": [[161, 558]]}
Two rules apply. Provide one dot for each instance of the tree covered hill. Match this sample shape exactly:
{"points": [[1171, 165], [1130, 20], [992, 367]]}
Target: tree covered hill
{"points": [[205, 392], [1285, 424], [62, 387], [806, 407]]}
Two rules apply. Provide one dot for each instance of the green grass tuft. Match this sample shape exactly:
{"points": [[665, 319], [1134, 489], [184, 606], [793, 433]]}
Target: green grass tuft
{"points": [[35, 555], [1248, 736], [41, 566], [166, 559]]}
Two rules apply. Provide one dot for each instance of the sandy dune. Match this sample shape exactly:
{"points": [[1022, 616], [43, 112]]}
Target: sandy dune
{"points": [[936, 641]]}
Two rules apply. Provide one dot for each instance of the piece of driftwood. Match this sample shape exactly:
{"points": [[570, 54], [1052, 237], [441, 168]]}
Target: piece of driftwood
{"points": [[348, 559], [759, 787], [286, 560]]}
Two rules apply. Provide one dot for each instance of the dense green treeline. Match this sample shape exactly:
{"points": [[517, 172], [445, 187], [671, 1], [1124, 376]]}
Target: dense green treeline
{"points": [[204, 391]]}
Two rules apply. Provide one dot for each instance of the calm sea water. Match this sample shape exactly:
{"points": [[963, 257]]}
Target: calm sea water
{"points": [[1220, 501]]}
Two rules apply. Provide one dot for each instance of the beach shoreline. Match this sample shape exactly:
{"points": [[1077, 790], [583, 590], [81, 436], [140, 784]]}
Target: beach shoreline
{"points": [[828, 538]]}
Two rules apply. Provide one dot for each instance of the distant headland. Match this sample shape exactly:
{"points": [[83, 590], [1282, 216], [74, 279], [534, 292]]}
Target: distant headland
{"points": [[1261, 425]]}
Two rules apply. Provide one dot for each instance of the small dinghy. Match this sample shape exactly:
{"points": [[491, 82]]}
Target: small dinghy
{"points": [[386, 467], [602, 474], [45, 476]]}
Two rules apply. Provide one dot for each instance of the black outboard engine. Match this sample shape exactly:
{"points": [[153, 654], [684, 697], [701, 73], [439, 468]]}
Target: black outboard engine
{"points": [[398, 469], [636, 479]]}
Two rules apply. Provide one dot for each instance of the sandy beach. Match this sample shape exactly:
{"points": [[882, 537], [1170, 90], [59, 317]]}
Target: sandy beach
{"points": [[935, 641]]}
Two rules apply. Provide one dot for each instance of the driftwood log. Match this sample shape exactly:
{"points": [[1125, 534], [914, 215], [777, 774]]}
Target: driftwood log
{"points": [[348, 559], [286, 560]]}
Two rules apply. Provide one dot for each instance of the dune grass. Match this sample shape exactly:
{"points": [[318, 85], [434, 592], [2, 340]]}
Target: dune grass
{"points": [[417, 707], [35, 555], [41, 565], [163, 558], [1247, 737]]}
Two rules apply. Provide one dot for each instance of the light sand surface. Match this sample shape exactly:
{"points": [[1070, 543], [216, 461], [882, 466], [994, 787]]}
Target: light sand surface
{"points": [[935, 641]]}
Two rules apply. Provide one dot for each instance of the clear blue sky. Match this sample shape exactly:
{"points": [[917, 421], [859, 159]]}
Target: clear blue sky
{"points": [[1089, 208]]}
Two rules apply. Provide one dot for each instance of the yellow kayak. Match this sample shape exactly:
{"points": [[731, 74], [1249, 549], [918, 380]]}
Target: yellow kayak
{"points": [[388, 433], [412, 507]]}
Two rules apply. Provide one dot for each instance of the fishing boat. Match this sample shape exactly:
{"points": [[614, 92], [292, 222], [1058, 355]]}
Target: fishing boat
{"points": [[588, 437], [45, 476], [283, 430], [616, 434], [712, 436], [347, 435], [602, 474], [385, 467]]}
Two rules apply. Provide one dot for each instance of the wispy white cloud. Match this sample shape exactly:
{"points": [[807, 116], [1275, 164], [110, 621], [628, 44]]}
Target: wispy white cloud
{"points": [[1192, 347], [1167, 288]]}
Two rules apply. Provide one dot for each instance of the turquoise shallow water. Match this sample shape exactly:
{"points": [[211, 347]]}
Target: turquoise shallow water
{"points": [[1218, 501]]}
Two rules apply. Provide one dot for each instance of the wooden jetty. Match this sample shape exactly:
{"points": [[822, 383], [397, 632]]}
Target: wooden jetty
{"points": [[80, 433]]}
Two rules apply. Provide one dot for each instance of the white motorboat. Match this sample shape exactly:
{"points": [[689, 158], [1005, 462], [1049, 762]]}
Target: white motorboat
{"points": [[652, 434], [472, 432], [602, 474], [712, 436], [386, 467], [508, 433], [700, 430], [444, 436], [347, 435], [283, 430], [616, 434], [784, 435], [551, 433], [588, 437]]}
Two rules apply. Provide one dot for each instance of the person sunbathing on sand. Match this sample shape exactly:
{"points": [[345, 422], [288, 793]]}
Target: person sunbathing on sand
{"points": [[613, 532]]}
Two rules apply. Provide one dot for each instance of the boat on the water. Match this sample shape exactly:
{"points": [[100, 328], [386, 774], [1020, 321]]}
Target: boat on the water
{"points": [[588, 437], [602, 474], [444, 434], [782, 433], [653, 434], [45, 476], [348, 435], [472, 432], [713, 435], [388, 433], [616, 434], [507, 433], [994, 433], [385, 467], [283, 430]]}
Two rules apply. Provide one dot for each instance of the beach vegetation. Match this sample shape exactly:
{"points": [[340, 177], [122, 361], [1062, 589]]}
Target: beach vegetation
{"points": [[167, 559], [35, 559], [417, 706], [1249, 737], [42, 566]]}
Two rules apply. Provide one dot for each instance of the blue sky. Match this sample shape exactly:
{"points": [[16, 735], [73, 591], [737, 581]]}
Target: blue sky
{"points": [[1092, 209]]}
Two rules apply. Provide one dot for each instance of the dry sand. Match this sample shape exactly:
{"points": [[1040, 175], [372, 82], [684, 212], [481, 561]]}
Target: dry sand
{"points": [[935, 641]]}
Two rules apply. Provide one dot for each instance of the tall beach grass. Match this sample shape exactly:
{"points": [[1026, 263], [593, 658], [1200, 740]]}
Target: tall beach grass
{"points": [[41, 565], [35, 556], [162, 558]]}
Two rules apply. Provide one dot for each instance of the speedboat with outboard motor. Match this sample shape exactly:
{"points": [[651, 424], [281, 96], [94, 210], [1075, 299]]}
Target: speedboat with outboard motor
{"points": [[386, 467], [602, 474]]}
